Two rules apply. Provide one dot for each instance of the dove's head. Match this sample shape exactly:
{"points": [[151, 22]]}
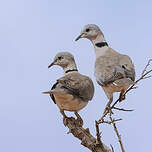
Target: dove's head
{"points": [[64, 60], [90, 31]]}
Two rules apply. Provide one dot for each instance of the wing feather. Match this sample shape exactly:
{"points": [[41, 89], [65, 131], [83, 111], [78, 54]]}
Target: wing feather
{"points": [[111, 68]]}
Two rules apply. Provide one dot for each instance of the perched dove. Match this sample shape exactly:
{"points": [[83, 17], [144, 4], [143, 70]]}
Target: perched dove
{"points": [[113, 71], [72, 91]]}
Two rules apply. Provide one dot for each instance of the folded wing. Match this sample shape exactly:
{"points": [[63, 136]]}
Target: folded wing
{"points": [[112, 68], [78, 85]]}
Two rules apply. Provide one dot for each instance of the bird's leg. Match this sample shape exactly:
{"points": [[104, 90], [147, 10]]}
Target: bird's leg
{"points": [[62, 112], [122, 96], [64, 117], [108, 108], [79, 119]]}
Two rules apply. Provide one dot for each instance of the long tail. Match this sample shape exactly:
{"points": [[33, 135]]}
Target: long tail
{"points": [[47, 92], [54, 92]]}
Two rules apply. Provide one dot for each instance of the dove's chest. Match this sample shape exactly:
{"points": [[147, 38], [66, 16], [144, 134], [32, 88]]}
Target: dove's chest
{"points": [[69, 103]]}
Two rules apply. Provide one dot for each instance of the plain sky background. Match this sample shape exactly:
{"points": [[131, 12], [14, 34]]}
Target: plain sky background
{"points": [[31, 33]]}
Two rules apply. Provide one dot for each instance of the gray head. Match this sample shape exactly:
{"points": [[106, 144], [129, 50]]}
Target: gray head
{"points": [[63, 59], [90, 31]]}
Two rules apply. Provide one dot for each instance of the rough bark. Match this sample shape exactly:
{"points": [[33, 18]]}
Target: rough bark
{"points": [[85, 136]]}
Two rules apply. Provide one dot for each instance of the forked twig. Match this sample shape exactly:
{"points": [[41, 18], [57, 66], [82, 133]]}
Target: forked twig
{"points": [[110, 122], [98, 134], [145, 69]]}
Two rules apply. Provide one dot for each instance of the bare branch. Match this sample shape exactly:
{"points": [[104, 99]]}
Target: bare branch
{"points": [[85, 136], [112, 148], [147, 77], [145, 69], [109, 122], [121, 109], [98, 134], [118, 135]]}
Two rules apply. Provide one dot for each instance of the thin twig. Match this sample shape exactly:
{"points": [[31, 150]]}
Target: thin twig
{"points": [[141, 78], [110, 122], [118, 135], [145, 69], [134, 87], [112, 148], [98, 134], [147, 77], [121, 109]]}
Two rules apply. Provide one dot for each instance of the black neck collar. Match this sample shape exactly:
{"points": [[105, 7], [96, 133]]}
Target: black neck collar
{"points": [[71, 70], [101, 44]]}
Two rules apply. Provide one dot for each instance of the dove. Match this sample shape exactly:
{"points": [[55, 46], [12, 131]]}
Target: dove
{"points": [[114, 72], [73, 91]]}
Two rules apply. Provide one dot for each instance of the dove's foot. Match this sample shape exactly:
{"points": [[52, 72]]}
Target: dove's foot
{"points": [[122, 96], [65, 120]]}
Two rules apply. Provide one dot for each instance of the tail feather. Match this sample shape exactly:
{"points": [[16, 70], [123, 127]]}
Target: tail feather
{"points": [[54, 92], [47, 92]]}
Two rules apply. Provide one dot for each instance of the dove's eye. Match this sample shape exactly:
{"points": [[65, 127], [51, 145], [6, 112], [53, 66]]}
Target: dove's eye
{"points": [[60, 57], [87, 30]]}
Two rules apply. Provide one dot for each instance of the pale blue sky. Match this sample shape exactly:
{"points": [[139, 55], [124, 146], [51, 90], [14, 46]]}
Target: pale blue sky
{"points": [[31, 33]]}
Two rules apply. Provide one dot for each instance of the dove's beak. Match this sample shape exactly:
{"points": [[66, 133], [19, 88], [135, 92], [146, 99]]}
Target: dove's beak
{"points": [[51, 65], [79, 37]]}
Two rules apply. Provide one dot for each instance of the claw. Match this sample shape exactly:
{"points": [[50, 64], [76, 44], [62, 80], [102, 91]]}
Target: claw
{"points": [[122, 96], [65, 122]]}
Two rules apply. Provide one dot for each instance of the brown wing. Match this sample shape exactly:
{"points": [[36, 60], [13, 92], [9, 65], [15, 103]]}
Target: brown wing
{"points": [[78, 85], [107, 70], [111, 68]]}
